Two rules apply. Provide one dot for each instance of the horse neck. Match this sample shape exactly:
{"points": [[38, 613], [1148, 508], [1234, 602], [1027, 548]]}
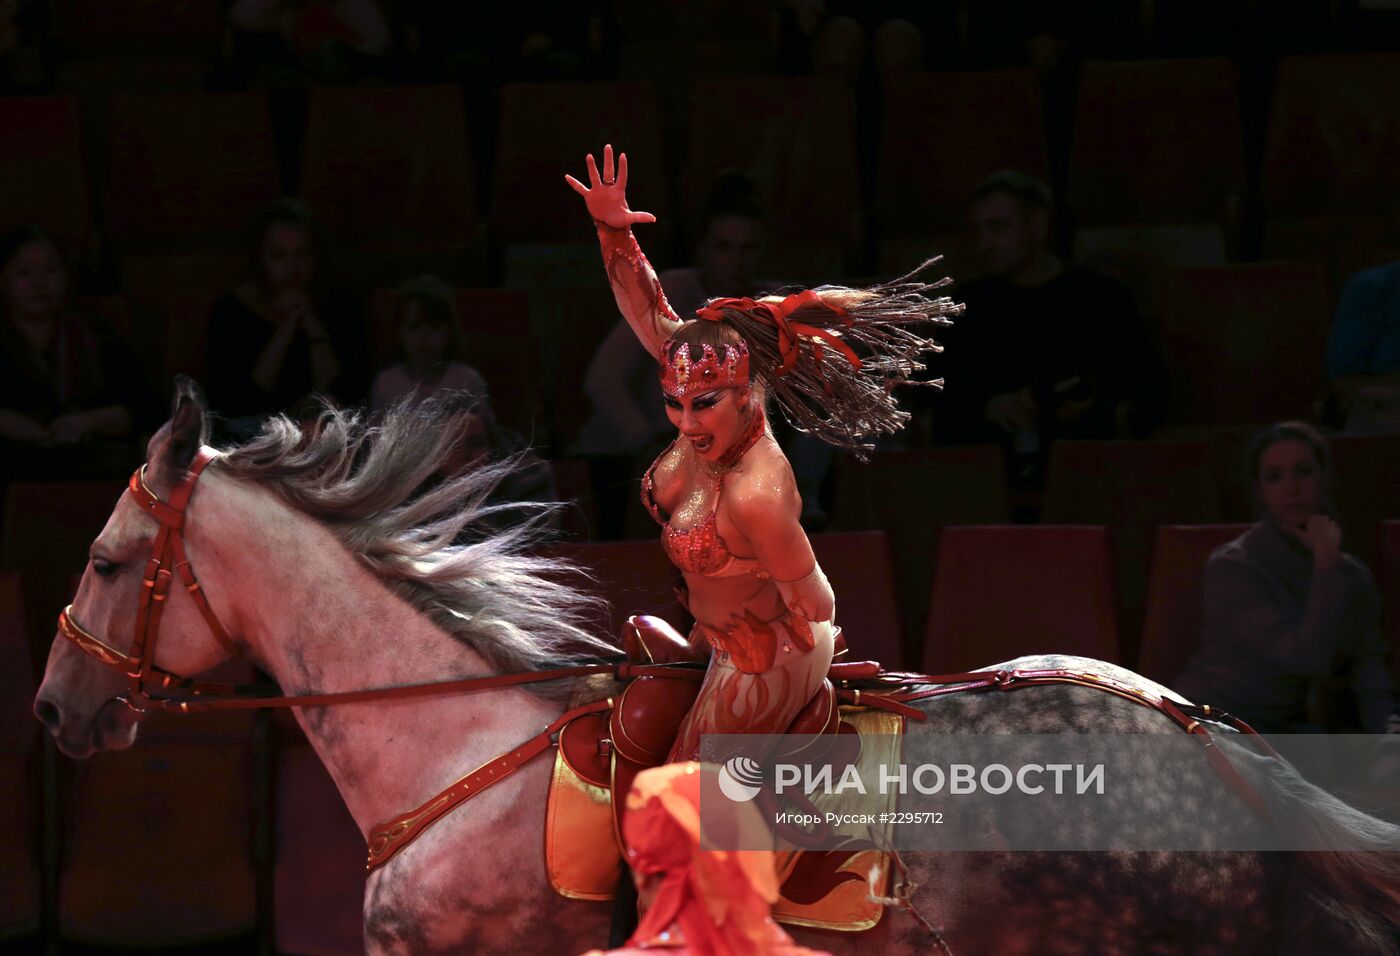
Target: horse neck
{"points": [[317, 620]]}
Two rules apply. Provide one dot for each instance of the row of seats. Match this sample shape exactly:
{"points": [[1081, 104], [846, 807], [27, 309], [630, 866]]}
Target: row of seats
{"points": [[1131, 488], [1224, 364], [191, 787], [1155, 142]]}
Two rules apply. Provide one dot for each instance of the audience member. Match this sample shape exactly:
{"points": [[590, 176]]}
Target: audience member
{"points": [[839, 35], [1286, 610], [1046, 349], [278, 338], [1363, 352], [628, 417], [71, 396], [290, 41], [483, 441], [431, 347], [550, 42]]}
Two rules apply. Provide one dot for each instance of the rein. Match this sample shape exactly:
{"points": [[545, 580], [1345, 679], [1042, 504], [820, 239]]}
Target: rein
{"points": [[893, 691]]}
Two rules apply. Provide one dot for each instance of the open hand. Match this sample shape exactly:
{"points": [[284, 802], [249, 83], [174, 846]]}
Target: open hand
{"points": [[607, 199], [70, 428], [1323, 538], [1012, 411]]}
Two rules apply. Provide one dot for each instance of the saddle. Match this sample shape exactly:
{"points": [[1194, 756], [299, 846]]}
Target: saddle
{"points": [[601, 753]]}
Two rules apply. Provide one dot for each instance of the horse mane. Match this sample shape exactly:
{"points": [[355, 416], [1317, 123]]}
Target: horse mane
{"points": [[365, 478]]}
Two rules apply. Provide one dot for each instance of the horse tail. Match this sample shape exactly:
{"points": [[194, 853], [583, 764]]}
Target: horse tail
{"points": [[1351, 867]]}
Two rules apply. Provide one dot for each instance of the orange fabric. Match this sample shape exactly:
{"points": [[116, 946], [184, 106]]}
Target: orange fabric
{"points": [[703, 902]]}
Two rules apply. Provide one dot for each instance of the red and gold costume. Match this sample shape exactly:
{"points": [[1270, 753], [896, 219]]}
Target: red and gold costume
{"points": [[829, 358]]}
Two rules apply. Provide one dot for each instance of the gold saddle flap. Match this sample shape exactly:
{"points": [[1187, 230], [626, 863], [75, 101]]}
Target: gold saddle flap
{"points": [[584, 860]]}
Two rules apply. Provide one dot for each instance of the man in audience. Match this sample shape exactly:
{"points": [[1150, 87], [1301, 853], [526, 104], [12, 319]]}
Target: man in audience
{"points": [[1363, 352], [1046, 349]]}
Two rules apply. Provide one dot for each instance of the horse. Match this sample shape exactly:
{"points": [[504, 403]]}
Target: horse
{"points": [[326, 564]]}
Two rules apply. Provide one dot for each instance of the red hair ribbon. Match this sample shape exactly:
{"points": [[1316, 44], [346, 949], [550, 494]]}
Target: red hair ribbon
{"points": [[779, 316]]}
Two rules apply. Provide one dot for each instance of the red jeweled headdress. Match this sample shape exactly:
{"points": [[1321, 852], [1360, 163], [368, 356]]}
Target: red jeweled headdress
{"points": [[681, 375]]}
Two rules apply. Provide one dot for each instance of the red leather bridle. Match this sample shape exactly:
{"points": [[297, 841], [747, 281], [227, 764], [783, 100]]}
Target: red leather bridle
{"points": [[169, 559]]}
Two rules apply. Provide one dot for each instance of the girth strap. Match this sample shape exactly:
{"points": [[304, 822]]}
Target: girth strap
{"points": [[389, 838]]}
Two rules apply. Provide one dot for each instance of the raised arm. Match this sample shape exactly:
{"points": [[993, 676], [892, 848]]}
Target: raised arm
{"points": [[639, 296]]}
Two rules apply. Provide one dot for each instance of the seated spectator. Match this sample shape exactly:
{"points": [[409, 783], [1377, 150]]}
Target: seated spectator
{"points": [[1286, 610], [629, 418], [286, 41], [431, 346], [838, 35], [278, 338], [71, 396], [1363, 353], [1046, 349], [481, 442]]}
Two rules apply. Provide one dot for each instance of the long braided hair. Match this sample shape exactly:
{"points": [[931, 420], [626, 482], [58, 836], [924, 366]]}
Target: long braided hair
{"points": [[831, 357]]}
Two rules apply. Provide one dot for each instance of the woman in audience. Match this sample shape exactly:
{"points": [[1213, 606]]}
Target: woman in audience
{"points": [[1286, 610], [431, 347], [70, 395], [278, 338]]}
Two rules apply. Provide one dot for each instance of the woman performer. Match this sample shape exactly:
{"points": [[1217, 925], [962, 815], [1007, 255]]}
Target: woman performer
{"points": [[723, 492]]}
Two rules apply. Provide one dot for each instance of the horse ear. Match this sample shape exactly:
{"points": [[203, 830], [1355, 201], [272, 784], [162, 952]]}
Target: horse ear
{"points": [[173, 447]]}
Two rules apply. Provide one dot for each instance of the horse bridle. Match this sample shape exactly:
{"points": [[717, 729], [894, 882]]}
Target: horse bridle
{"points": [[168, 560]]}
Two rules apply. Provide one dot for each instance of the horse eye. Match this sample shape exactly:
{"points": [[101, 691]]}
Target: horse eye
{"points": [[103, 567]]}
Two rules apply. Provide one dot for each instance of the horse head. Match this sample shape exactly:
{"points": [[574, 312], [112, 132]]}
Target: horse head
{"points": [[89, 699]]}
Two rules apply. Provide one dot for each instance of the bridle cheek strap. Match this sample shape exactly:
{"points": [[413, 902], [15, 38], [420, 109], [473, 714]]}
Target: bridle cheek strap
{"points": [[168, 559]]}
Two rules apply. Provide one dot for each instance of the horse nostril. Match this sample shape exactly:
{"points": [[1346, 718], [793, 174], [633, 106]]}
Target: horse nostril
{"points": [[48, 714]]}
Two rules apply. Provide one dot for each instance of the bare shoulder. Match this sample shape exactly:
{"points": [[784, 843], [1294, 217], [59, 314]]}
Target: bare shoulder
{"points": [[763, 488]]}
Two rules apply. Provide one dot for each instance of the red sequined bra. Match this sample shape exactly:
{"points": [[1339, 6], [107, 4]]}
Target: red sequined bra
{"points": [[700, 549]]}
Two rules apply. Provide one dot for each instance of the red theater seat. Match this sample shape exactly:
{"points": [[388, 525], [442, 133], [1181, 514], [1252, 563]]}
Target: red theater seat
{"points": [[1388, 579], [860, 566], [47, 529], [1245, 343], [170, 298], [187, 171], [546, 130], [1172, 628], [1334, 133], [1157, 142], [41, 166], [1131, 487], [139, 28], [19, 768], [911, 496], [574, 485], [157, 845], [1000, 592], [1365, 488], [319, 873], [18, 726], [386, 166], [19, 854], [944, 133], [633, 577], [795, 135]]}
